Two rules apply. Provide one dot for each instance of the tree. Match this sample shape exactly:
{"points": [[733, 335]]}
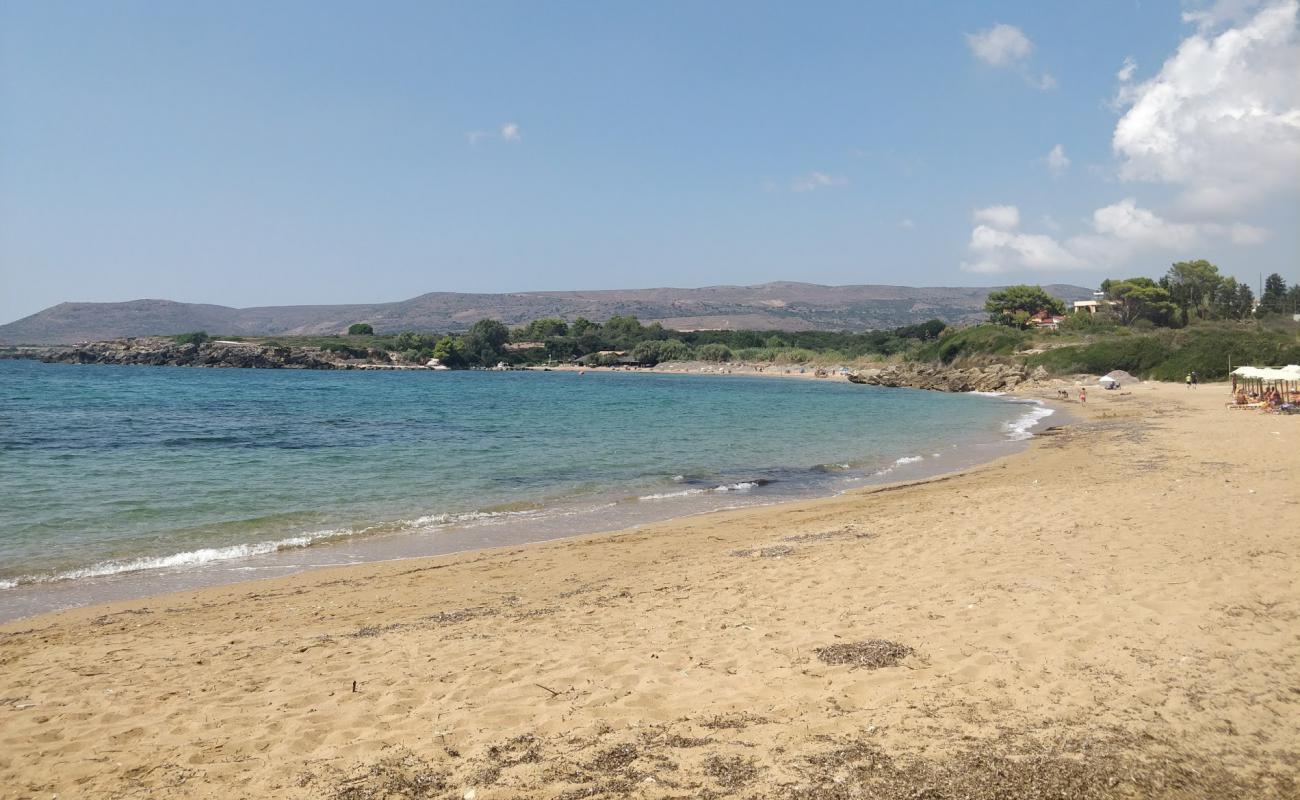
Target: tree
{"points": [[410, 340], [1140, 298], [361, 329], [539, 330], [654, 351], [449, 351], [1245, 301], [1191, 285], [1273, 300], [1229, 301], [1014, 305], [485, 341], [1293, 299], [582, 326]]}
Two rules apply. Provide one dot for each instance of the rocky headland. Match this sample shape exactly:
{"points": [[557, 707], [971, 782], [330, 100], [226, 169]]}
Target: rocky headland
{"points": [[987, 378], [160, 351]]}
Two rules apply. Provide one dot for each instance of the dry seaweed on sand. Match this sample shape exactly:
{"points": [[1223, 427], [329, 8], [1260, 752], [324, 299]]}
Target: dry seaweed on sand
{"points": [[522, 749], [735, 721], [868, 654], [773, 551], [400, 776], [731, 771], [824, 536]]}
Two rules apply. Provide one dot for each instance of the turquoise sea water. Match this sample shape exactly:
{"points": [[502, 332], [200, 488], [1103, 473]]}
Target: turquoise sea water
{"points": [[111, 474]]}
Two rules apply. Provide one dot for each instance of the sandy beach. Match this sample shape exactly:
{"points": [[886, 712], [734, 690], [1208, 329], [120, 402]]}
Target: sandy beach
{"points": [[1112, 613]]}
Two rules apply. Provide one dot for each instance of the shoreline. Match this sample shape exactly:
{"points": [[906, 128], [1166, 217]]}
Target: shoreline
{"points": [[256, 561], [1111, 611]]}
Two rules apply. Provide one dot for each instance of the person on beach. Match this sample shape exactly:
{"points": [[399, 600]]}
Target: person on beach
{"points": [[1083, 394], [1193, 379], [1189, 380]]}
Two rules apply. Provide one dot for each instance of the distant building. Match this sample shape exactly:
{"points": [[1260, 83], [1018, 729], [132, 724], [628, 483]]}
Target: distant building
{"points": [[1092, 306], [1046, 319]]}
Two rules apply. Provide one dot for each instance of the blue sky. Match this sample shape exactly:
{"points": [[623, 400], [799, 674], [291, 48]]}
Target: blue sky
{"points": [[252, 154]]}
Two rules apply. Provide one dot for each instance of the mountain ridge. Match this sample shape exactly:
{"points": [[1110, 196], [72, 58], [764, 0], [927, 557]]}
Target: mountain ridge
{"points": [[778, 305]]}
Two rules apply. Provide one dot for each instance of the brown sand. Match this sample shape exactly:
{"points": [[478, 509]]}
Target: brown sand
{"points": [[1111, 614]]}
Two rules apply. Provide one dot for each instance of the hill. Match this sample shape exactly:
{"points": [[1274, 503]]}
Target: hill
{"points": [[771, 306]]}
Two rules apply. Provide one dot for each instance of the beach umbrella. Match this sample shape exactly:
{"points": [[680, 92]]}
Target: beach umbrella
{"points": [[1106, 379]]}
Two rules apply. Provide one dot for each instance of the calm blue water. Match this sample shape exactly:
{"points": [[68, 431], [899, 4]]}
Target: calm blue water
{"points": [[109, 471]]}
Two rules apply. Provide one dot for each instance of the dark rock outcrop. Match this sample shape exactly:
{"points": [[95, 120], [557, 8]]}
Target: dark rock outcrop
{"points": [[152, 351], [990, 378]]}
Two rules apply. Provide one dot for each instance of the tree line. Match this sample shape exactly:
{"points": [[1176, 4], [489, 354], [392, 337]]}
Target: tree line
{"points": [[1189, 291], [552, 340]]}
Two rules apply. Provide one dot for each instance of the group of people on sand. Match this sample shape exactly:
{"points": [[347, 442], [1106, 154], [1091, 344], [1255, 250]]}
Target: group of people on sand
{"points": [[1191, 379], [1271, 397]]}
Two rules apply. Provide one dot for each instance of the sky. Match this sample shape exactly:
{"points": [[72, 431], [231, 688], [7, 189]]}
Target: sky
{"points": [[327, 152]]}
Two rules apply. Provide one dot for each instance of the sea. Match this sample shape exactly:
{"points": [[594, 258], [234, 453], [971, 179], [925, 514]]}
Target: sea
{"points": [[120, 482]]}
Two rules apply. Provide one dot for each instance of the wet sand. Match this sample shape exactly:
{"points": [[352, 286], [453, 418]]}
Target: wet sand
{"points": [[1113, 613]]}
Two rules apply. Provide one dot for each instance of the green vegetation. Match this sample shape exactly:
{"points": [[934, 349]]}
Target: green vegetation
{"points": [[1168, 355], [361, 329], [1015, 305], [195, 337], [977, 343]]}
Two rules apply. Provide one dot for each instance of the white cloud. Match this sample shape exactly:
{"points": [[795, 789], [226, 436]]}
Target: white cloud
{"points": [[1120, 234], [1221, 120], [1057, 161], [1001, 217], [906, 224], [1008, 46], [1000, 46], [1125, 73], [1220, 12], [816, 180], [997, 250], [508, 132]]}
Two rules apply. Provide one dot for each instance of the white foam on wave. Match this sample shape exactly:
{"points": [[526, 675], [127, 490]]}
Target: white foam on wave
{"points": [[1022, 427], [988, 394], [432, 520], [908, 460], [743, 486], [667, 495], [188, 558]]}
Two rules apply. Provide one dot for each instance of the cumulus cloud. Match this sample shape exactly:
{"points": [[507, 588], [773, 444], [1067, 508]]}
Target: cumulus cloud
{"points": [[510, 132], [1008, 46], [1001, 217], [1057, 161], [1118, 234], [1220, 12], [1000, 45], [816, 180], [1221, 120]]}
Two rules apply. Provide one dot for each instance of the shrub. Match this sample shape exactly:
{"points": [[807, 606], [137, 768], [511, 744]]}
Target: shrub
{"points": [[713, 352], [980, 340], [361, 329], [196, 337]]}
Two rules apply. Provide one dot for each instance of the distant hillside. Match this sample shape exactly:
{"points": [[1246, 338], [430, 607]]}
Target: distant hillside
{"points": [[775, 306]]}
